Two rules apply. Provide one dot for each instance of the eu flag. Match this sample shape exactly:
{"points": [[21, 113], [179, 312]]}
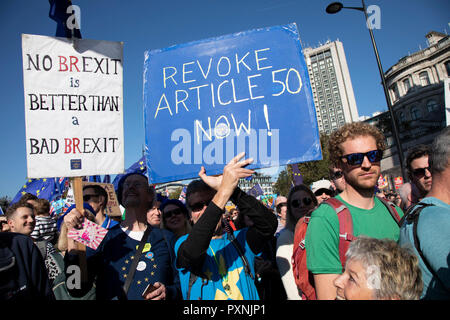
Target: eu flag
{"points": [[42, 188], [296, 175], [256, 190]]}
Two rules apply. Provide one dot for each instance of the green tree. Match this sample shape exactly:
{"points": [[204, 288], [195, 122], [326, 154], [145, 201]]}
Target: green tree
{"points": [[176, 193], [315, 170], [284, 182], [311, 171]]}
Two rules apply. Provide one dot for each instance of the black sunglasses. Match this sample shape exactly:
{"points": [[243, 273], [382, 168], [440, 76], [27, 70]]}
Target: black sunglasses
{"points": [[198, 206], [420, 172], [88, 197], [358, 158], [280, 205], [170, 213], [321, 191], [297, 203], [337, 175]]}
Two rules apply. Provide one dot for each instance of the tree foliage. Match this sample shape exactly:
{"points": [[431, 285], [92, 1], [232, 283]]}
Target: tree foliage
{"points": [[311, 171], [176, 193], [284, 182]]}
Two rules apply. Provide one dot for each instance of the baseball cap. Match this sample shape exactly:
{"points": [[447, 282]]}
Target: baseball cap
{"points": [[321, 184]]}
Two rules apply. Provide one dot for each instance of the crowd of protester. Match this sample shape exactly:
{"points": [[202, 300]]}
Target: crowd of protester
{"points": [[197, 249]]}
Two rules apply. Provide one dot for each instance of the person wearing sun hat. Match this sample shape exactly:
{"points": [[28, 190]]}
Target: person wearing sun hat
{"points": [[322, 189]]}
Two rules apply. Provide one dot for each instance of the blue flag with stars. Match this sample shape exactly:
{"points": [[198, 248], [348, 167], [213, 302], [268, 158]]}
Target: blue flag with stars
{"points": [[44, 188], [256, 190]]}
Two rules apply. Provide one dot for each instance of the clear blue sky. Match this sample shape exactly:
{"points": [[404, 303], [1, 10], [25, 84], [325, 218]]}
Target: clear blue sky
{"points": [[152, 24]]}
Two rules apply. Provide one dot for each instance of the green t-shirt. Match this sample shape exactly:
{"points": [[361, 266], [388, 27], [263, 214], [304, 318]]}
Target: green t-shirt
{"points": [[322, 236]]}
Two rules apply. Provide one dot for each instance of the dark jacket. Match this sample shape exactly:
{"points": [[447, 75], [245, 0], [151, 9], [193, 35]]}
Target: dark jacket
{"points": [[22, 270]]}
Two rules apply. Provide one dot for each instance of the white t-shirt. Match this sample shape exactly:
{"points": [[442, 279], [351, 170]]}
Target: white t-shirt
{"points": [[285, 246]]}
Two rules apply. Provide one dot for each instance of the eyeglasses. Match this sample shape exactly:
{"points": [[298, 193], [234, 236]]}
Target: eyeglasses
{"points": [[336, 175], [170, 213], [297, 203], [358, 158], [199, 205], [280, 205], [88, 197], [420, 172]]}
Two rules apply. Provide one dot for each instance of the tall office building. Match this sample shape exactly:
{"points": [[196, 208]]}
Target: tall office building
{"points": [[331, 86]]}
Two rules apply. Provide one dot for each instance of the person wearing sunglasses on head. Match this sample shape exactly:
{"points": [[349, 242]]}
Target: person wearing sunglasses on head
{"points": [[322, 190], [175, 217], [301, 202], [214, 264], [357, 150], [419, 174]]}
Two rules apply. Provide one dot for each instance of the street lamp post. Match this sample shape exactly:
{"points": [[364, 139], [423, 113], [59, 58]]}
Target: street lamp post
{"points": [[335, 7]]}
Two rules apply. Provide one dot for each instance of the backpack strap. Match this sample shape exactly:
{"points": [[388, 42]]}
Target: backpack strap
{"points": [[345, 226], [134, 264], [238, 248], [42, 246], [392, 210], [413, 216]]}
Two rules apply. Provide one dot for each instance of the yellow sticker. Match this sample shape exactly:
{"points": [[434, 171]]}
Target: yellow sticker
{"points": [[147, 247]]}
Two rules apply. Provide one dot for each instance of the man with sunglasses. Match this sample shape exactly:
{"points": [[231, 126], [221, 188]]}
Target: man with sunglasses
{"points": [[97, 198], [213, 265], [419, 173], [426, 227], [357, 150]]}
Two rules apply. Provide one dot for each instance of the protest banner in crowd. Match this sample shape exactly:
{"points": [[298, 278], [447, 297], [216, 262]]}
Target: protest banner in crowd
{"points": [[73, 93], [207, 101]]}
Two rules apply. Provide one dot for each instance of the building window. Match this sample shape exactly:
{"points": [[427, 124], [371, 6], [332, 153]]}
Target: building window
{"points": [[432, 105], [395, 93], [401, 117], [424, 79], [407, 84], [447, 67], [415, 113]]}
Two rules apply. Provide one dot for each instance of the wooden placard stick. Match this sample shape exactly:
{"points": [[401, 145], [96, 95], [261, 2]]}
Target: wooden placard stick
{"points": [[78, 195]]}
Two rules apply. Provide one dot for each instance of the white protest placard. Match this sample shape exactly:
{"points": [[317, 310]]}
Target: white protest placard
{"points": [[73, 93]]}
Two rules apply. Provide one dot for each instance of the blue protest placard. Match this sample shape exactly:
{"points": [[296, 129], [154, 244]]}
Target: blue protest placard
{"points": [[207, 101]]}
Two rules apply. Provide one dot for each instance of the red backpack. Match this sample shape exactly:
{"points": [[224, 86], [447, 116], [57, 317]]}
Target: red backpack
{"points": [[303, 278]]}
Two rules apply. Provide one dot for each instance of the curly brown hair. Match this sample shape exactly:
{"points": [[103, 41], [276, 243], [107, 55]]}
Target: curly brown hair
{"points": [[351, 131]]}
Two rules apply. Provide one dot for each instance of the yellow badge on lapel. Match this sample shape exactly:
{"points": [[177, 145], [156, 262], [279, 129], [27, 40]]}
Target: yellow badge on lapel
{"points": [[147, 247]]}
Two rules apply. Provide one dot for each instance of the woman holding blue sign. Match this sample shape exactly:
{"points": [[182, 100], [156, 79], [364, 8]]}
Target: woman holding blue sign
{"points": [[213, 265]]}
